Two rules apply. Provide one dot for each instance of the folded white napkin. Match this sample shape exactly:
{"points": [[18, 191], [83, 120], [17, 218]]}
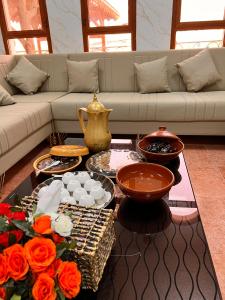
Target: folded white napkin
{"points": [[49, 200]]}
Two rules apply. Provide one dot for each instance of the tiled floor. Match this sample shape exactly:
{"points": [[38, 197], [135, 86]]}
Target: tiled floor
{"points": [[205, 158], [206, 165]]}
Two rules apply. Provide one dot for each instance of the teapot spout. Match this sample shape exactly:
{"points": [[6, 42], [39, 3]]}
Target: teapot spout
{"points": [[108, 111]]}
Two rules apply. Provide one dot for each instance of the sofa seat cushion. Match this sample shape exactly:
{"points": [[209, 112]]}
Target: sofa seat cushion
{"points": [[175, 106], [39, 97], [20, 120]]}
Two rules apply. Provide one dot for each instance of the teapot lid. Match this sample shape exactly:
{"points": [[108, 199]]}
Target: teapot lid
{"points": [[95, 105], [163, 133]]}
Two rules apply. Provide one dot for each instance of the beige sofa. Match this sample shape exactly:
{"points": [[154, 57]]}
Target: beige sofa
{"points": [[29, 121]]}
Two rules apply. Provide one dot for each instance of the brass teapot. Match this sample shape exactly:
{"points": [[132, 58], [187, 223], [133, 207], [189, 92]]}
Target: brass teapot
{"points": [[97, 136]]}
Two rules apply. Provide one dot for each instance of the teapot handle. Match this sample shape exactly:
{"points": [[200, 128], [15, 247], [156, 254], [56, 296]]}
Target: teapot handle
{"points": [[81, 119]]}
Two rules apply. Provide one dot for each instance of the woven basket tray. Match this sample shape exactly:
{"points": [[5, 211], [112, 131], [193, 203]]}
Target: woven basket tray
{"points": [[94, 234]]}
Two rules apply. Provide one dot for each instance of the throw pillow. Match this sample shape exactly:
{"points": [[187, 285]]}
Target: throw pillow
{"points": [[26, 76], [152, 76], [198, 71], [83, 76], [5, 97]]}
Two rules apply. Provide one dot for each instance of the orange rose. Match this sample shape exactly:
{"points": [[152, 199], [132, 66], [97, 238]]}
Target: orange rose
{"points": [[4, 275], [53, 268], [43, 289], [16, 261], [2, 293], [40, 253], [69, 279], [42, 225]]}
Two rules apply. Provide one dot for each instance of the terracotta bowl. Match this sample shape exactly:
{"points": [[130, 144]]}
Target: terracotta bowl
{"points": [[160, 157], [145, 181]]}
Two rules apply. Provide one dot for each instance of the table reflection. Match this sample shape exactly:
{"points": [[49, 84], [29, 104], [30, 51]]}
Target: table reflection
{"points": [[144, 218]]}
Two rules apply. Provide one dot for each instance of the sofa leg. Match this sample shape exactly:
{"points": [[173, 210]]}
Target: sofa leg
{"points": [[57, 138], [2, 180]]}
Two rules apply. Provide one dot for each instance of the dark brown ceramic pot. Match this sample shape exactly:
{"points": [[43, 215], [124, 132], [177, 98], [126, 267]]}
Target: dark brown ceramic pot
{"points": [[161, 134], [145, 181]]}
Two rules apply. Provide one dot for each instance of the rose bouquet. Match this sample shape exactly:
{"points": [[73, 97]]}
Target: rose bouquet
{"points": [[36, 261]]}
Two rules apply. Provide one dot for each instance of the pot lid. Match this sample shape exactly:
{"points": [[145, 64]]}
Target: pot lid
{"points": [[163, 133], [95, 105], [69, 150]]}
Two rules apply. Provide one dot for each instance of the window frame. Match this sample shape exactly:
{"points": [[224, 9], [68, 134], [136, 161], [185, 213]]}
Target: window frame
{"points": [[130, 28], [15, 34], [177, 25]]}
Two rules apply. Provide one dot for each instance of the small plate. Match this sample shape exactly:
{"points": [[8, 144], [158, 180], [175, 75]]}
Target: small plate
{"points": [[108, 162], [106, 182], [67, 164]]}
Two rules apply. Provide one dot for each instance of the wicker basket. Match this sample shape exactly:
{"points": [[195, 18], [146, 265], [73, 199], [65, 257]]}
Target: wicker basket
{"points": [[94, 234]]}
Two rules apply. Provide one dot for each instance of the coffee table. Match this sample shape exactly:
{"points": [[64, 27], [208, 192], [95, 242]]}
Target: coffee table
{"points": [[161, 251]]}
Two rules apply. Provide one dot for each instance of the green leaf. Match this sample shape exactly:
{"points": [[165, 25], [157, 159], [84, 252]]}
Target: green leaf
{"points": [[15, 297], [61, 248], [16, 209], [21, 288], [12, 239], [24, 226], [72, 245], [4, 226], [34, 209], [60, 295], [68, 213], [9, 284]]}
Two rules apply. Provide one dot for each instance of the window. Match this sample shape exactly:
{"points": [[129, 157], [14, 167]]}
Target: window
{"points": [[109, 25], [198, 24], [24, 25]]}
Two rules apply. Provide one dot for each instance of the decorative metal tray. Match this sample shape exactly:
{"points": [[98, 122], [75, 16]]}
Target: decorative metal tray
{"points": [[108, 162]]}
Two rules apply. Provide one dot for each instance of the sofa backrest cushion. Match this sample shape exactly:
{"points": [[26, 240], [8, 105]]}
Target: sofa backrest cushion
{"points": [[7, 63], [117, 71], [218, 56], [26, 77], [83, 76], [5, 97], [198, 71], [152, 76], [54, 65]]}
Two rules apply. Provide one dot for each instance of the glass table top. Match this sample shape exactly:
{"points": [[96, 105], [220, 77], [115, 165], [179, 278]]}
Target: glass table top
{"points": [[160, 251]]}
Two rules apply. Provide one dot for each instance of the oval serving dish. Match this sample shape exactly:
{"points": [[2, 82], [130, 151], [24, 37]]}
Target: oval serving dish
{"points": [[64, 166]]}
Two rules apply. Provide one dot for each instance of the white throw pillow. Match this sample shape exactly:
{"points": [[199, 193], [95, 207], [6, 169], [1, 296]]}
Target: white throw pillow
{"points": [[83, 76], [5, 97], [198, 71], [26, 76], [152, 76]]}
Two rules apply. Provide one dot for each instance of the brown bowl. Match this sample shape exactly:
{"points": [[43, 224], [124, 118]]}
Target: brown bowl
{"points": [[145, 181], [160, 157]]}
